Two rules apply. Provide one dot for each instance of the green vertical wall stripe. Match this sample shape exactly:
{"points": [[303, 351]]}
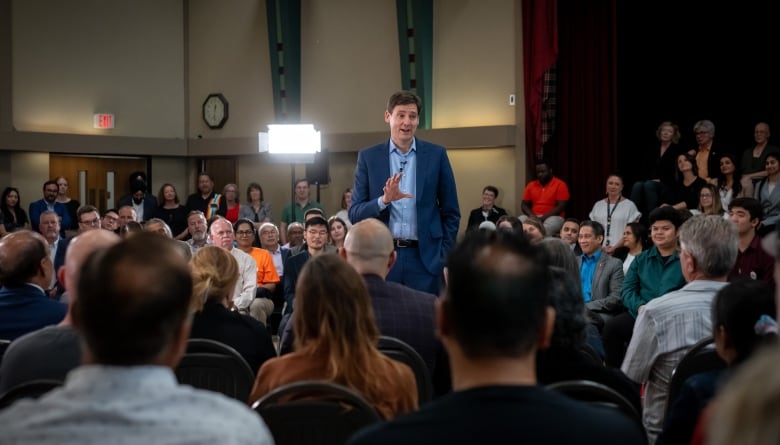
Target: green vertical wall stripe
{"points": [[284, 42], [417, 74]]}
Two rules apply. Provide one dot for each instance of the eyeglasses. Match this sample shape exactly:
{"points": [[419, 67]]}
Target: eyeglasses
{"points": [[90, 222], [244, 233], [267, 232], [705, 195]]}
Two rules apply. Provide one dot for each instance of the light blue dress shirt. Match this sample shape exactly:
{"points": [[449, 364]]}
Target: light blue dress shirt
{"points": [[403, 213]]}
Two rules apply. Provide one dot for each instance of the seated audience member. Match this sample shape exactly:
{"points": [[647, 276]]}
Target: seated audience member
{"points": [[656, 168], [214, 276], [653, 273], [11, 212], [346, 201], [294, 236], [613, 213], [545, 198], [509, 222], [267, 279], [492, 342], [534, 229], [601, 274], [88, 218], [198, 228], [171, 211], [567, 358], [159, 226], [335, 340], [753, 262], [126, 215], [737, 311], [110, 220], [400, 311], [570, 232], [729, 181], [709, 202], [130, 228], [634, 241], [754, 159], [144, 204], [49, 227], [133, 313], [269, 240], [221, 234], [26, 270], [337, 228], [315, 239], [206, 200], [307, 215], [669, 325], [256, 208], [49, 202], [684, 193], [58, 344], [488, 211], [768, 194]]}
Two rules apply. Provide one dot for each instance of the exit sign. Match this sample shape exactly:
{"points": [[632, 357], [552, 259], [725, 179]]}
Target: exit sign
{"points": [[103, 120]]}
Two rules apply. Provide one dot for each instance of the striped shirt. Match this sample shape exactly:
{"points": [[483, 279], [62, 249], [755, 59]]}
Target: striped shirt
{"points": [[665, 330]]}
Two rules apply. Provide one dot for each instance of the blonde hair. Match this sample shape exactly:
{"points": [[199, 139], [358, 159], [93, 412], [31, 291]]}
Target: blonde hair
{"points": [[214, 275]]}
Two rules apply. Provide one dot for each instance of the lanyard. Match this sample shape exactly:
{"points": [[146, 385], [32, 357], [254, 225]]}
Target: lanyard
{"points": [[609, 215]]}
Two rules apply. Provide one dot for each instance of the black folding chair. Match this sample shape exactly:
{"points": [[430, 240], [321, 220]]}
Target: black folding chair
{"points": [[597, 394], [314, 413], [702, 357], [401, 351], [32, 389], [215, 366]]}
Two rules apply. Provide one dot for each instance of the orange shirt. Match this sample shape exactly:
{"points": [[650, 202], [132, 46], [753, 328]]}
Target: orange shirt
{"points": [[266, 271], [544, 197]]}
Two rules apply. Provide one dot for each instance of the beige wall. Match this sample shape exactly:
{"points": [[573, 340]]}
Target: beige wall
{"points": [[474, 63], [76, 58], [27, 170]]}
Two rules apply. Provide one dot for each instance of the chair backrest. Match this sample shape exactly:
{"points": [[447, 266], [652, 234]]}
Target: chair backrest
{"points": [[401, 351], [597, 394], [702, 357], [215, 366], [32, 389], [314, 412], [4, 344]]}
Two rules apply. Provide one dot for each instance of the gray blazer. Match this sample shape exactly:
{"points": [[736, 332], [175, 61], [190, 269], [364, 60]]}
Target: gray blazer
{"points": [[606, 285]]}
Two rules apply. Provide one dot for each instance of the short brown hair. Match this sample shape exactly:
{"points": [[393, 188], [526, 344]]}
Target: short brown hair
{"points": [[403, 98]]}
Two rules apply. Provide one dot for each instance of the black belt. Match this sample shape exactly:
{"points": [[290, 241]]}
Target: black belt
{"points": [[405, 243]]}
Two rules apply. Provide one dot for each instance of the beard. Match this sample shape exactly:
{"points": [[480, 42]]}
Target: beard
{"points": [[199, 236]]}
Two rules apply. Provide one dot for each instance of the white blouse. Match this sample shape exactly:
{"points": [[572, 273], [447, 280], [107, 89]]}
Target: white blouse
{"points": [[622, 213]]}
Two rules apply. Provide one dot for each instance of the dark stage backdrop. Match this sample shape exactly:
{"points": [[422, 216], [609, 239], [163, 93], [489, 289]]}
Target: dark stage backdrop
{"points": [[687, 61], [624, 67]]}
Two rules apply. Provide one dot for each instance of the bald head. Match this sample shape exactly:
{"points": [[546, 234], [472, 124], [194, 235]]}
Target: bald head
{"points": [[22, 258], [78, 250], [368, 247]]}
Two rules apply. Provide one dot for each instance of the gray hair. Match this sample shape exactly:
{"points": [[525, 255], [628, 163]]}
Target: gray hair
{"points": [[267, 224], [165, 226], [705, 125], [559, 254], [712, 241]]}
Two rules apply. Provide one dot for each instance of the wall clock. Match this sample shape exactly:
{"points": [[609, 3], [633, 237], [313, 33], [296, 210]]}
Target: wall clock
{"points": [[215, 110]]}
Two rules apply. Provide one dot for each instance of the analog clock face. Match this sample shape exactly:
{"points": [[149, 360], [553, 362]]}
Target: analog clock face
{"points": [[215, 111]]}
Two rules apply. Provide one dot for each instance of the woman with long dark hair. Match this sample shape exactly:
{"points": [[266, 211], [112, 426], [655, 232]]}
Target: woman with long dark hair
{"points": [[335, 340], [14, 217]]}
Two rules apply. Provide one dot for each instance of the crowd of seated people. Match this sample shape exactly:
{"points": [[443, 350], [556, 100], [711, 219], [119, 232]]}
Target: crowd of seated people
{"points": [[627, 292]]}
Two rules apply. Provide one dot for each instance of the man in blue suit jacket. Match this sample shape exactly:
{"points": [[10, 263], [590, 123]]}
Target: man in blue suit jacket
{"points": [[409, 185], [25, 271], [49, 202]]}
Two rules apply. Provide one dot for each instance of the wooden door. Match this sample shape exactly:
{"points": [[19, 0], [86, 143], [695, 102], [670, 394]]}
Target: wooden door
{"points": [[222, 171], [97, 180]]}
